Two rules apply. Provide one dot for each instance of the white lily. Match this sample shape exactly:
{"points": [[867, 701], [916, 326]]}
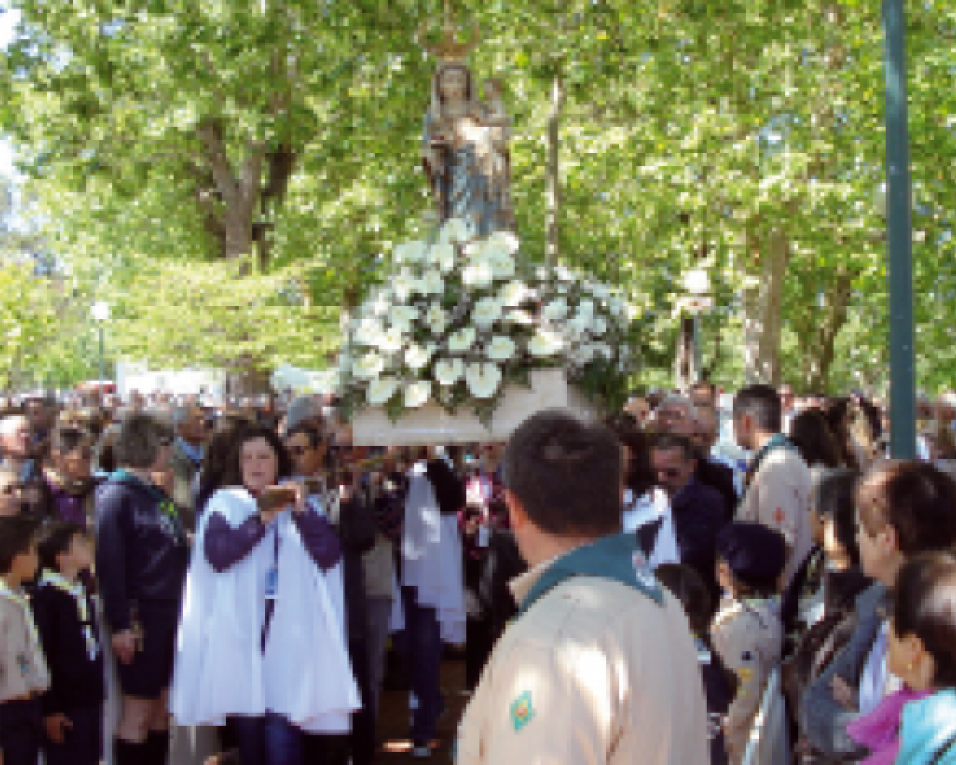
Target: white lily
{"points": [[443, 256], [402, 316], [556, 310], [381, 390], [514, 293], [449, 371], [545, 343], [462, 340], [391, 340], [431, 283], [502, 266], [504, 241], [479, 274], [456, 230], [417, 356], [368, 366], [482, 379], [500, 348], [436, 318], [486, 312], [417, 393], [404, 285]]}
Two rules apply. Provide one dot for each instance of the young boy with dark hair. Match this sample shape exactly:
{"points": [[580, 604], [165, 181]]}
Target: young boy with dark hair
{"points": [[23, 670], [65, 617], [747, 634]]}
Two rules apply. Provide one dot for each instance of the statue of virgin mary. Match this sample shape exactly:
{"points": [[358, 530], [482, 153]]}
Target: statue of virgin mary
{"points": [[465, 151]]}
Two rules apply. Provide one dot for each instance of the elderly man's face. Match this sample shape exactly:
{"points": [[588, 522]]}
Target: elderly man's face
{"points": [[16, 438], [676, 418], [193, 429]]}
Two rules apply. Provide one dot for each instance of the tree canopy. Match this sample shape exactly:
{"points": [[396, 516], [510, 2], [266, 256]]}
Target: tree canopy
{"points": [[232, 175]]}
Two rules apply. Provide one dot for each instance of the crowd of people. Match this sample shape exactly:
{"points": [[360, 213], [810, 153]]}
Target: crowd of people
{"points": [[229, 577]]}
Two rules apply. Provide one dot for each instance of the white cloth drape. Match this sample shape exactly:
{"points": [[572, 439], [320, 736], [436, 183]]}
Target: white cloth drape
{"points": [[639, 511], [304, 673], [432, 556]]}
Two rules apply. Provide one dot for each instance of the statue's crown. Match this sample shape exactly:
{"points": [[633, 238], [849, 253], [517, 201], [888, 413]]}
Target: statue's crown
{"points": [[451, 49]]}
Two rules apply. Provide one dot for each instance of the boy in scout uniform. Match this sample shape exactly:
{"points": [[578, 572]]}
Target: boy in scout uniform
{"points": [[746, 633], [599, 666], [23, 670], [778, 483]]}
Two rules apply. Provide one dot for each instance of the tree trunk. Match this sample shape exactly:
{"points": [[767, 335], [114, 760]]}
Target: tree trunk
{"points": [[553, 171], [762, 311], [819, 342]]}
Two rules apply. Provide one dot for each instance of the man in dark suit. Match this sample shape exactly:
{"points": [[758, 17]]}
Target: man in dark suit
{"points": [[698, 512], [711, 472]]}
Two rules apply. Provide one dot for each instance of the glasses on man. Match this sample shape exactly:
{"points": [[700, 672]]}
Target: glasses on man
{"points": [[297, 450]]}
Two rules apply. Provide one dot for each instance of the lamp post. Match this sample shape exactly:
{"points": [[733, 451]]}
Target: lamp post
{"points": [[900, 238], [101, 314], [696, 301]]}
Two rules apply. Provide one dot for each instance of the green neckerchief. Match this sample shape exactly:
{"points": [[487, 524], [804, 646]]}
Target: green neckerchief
{"points": [[778, 441], [616, 558], [78, 592], [165, 504]]}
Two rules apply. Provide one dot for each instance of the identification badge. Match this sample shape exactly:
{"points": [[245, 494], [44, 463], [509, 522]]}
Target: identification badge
{"points": [[272, 583], [484, 536]]}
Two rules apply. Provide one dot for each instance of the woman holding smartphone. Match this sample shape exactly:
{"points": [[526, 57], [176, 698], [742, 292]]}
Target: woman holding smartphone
{"points": [[261, 640]]}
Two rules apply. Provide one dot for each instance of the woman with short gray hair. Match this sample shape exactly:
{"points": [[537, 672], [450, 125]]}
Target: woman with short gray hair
{"points": [[141, 557]]}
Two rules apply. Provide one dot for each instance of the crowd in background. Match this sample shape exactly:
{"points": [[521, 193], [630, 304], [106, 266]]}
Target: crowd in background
{"points": [[228, 575]]}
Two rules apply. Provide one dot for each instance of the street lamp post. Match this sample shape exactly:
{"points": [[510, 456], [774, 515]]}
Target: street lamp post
{"points": [[101, 314], [696, 301]]}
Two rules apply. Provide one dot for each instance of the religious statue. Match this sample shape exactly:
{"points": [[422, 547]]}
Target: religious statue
{"points": [[465, 143]]}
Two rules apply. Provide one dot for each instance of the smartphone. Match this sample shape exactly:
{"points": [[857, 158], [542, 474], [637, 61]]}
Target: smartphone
{"points": [[275, 497]]}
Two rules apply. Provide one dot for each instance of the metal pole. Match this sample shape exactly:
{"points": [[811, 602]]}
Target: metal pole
{"points": [[900, 238], [99, 386], [697, 375]]}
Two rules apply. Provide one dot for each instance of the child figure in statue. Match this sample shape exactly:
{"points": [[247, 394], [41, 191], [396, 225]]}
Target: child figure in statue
{"points": [[465, 152]]}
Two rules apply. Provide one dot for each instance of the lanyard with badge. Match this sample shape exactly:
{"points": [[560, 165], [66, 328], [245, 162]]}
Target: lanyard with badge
{"points": [[13, 596], [78, 593]]}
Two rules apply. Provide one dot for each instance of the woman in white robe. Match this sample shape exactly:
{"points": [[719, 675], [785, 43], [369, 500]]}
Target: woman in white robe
{"points": [[262, 637]]}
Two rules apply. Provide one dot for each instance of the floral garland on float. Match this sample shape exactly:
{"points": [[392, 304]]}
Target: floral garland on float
{"points": [[464, 317]]}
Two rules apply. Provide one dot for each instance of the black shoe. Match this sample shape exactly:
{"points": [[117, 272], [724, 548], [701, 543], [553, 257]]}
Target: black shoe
{"points": [[157, 747], [129, 753]]}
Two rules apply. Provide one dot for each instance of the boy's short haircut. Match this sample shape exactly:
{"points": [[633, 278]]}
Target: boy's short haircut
{"points": [[17, 533], [55, 539], [689, 588]]}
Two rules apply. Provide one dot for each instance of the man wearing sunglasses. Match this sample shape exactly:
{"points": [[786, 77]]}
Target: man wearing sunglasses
{"points": [[697, 511]]}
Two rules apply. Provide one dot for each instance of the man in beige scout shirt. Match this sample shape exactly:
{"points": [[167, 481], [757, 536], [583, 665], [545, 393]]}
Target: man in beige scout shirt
{"points": [[599, 666], [777, 491]]}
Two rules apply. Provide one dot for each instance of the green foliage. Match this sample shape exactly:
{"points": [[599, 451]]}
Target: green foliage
{"points": [[692, 132]]}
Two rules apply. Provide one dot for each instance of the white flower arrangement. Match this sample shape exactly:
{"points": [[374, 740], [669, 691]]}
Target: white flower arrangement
{"points": [[462, 318]]}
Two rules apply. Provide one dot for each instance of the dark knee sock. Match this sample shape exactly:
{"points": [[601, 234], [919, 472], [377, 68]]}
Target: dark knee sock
{"points": [[130, 753], [157, 743]]}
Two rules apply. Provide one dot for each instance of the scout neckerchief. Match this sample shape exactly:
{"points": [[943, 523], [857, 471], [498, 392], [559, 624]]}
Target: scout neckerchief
{"points": [[14, 596], [167, 508], [78, 593], [778, 441], [616, 558]]}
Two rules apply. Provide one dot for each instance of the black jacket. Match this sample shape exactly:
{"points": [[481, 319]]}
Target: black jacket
{"points": [[76, 680], [141, 549], [355, 524], [720, 477], [449, 488], [699, 515]]}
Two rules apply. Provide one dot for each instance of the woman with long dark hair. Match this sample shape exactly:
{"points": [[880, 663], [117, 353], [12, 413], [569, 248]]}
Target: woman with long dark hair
{"points": [[262, 639]]}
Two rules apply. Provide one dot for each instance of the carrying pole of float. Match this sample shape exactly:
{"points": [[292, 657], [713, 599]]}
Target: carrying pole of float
{"points": [[899, 238]]}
